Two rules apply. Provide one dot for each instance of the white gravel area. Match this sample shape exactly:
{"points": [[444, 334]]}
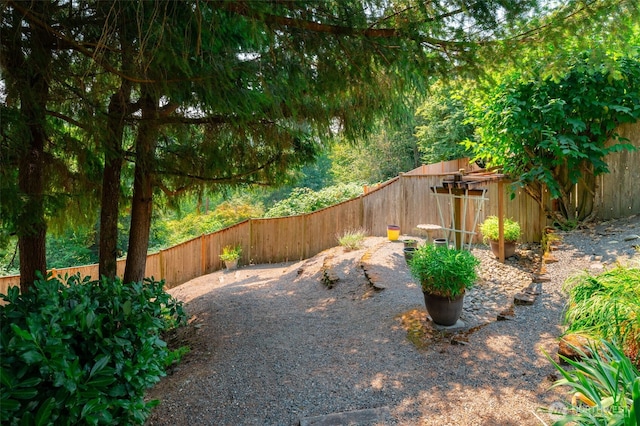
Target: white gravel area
{"points": [[271, 344]]}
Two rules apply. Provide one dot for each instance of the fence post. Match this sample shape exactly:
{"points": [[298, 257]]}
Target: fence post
{"points": [[203, 256], [162, 265]]}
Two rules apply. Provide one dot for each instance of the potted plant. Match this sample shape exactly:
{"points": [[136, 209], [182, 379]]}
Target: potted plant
{"points": [[444, 274], [230, 255], [489, 230]]}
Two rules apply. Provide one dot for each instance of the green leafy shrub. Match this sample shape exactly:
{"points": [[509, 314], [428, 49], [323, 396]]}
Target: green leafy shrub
{"points": [[490, 231], [304, 200], [352, 240], [230, 253], [606, 306], [442, 271], [605, 388], [83, 352]]}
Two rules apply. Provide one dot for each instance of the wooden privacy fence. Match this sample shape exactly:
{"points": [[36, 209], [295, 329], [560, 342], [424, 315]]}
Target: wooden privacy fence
{"points": [[406, 201]]}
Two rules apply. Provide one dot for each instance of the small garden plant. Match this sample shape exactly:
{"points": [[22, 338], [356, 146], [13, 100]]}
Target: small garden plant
{"points": [[443, 271], [490, 231], [352, 240], [231, 253]]}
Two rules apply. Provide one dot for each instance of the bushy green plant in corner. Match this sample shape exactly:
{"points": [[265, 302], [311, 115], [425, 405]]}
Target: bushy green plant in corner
{"points": [[605, 388], [490, 231], [443, 271], [606, 306], [77, 351]]}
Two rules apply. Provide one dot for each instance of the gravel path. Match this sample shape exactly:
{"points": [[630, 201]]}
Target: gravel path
{"points": [[272, 345]]}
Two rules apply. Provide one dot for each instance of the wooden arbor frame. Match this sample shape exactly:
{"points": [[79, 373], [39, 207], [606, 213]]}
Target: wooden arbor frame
{"points": [[460, 188]]}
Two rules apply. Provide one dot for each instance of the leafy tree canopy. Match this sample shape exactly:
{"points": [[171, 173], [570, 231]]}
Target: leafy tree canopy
{"points": [[442, 125], [552, 132]]}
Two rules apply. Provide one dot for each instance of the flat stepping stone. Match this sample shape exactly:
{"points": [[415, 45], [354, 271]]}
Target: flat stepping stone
{"points": [[358, 417], [458, 326], [524, 299]]}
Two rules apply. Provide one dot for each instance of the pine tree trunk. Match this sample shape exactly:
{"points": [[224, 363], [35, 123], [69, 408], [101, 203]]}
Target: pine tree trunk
{"points": [[34, 94], [110, 204], [142, 203], [119, 109]]}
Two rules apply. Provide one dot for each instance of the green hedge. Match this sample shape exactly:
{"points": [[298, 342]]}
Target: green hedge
{"points": [[83, 352]]}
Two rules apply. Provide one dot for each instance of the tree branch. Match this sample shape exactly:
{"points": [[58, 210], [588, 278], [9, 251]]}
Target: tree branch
{"points": [[242, 8], [68, 119]]}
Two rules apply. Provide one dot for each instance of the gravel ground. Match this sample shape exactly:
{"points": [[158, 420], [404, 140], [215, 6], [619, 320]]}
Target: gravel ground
{"points": [[271, 344]]}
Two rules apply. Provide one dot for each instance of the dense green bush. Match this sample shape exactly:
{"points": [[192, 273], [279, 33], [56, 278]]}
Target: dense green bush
{"points": [[83, 352], [304, 200], [606, 306]]}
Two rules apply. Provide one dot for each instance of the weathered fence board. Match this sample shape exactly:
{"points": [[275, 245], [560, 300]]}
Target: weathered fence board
{"points": [[617, 193], [325, 226], [278, 239]]}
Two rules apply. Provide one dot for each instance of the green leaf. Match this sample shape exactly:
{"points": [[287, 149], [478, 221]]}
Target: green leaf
{"points": [[6, 378], [44, 412], [101, 382], [10, 405], [24, 393], [31, 357], [21, 333], [634, 415], [126, 307], [99, 365], [30, 382], [90, 407]]}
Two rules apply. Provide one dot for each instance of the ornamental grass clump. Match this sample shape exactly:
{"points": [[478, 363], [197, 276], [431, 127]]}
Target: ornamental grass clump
{"points": [[443, 271], [352, 240], [606, 306]]}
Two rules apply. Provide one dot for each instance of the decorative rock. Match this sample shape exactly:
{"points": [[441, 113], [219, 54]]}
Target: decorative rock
{"points": [[541, 278], [379, 415], [596, 266], [459, 340], [533, 289], [570, 345], [507, 314], [524, 299], [631, 237]]}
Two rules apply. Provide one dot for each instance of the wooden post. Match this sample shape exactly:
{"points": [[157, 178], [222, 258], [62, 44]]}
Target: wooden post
{"points": [[501, 221], [457, 215], [203, 255]]}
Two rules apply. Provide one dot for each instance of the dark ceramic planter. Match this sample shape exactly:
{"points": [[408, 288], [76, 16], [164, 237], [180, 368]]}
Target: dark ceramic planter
{"points": [[409, 252], [509, 248], [443, 310], [410, 243], [441, 242]]}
